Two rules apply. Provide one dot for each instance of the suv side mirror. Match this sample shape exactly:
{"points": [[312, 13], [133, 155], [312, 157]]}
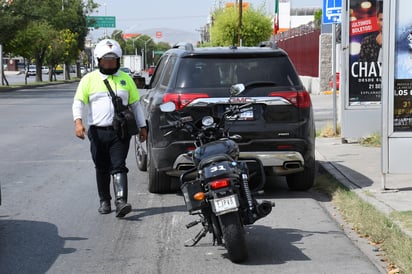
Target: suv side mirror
{"points": [[168, 107]]}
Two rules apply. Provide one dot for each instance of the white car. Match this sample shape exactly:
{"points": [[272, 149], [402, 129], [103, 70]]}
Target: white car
{"points": [[31, 70], [45, 70], [83, 70]]}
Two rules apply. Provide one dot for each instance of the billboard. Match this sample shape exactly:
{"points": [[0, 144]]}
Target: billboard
{"points": [[365, 52], [397, 88], [402, 94]]}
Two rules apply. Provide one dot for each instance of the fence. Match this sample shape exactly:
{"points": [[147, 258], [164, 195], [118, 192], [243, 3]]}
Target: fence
{"points": [[302, 45]]}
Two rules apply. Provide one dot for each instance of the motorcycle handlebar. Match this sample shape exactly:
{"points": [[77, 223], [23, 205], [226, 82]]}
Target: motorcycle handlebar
{"points": [[167, 126], [177, 124]]}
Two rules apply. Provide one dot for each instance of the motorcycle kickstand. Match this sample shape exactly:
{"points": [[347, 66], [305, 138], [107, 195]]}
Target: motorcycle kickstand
{"points": [[202, 233]]}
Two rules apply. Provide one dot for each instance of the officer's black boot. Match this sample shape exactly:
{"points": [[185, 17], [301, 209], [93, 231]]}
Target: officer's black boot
{"points": [[103, 188], [120, 192]]}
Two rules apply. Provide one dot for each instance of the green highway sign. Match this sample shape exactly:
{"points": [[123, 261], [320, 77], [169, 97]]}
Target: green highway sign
{"points": [[101, 21]]}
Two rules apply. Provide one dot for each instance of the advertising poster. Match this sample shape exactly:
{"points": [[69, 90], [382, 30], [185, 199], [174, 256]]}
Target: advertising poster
{"points": [[365, 64], [402, 112]]}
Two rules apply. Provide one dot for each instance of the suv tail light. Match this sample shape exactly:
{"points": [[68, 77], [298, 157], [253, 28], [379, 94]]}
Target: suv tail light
{"points": [[300, 99], [182, 100]]}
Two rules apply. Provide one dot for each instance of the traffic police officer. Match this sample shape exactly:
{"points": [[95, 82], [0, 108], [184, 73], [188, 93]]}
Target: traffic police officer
{"points": [[108, 151]]}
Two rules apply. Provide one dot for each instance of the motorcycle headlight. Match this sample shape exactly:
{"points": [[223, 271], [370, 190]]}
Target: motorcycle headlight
{"points": [[207, 121]]}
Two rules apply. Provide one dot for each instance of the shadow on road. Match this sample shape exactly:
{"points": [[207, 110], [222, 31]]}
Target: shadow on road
{"points": [[30, 246]]}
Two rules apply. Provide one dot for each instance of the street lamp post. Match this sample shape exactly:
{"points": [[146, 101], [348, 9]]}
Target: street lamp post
{"points": [[145, 53], [135, 49], [105, 14]]}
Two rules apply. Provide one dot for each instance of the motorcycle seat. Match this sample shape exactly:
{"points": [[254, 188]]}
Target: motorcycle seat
{"points": [[215, 158]]}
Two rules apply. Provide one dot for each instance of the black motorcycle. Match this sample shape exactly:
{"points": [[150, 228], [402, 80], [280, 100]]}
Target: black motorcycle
{"points": [[218, 187]]}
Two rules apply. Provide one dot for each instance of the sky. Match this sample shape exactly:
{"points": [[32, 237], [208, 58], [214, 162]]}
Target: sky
{"points": [[177, 20]]}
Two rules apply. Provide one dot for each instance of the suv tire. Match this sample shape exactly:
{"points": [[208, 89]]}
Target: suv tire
{"points": [[304, 180], [159, 182], [140, 154]]}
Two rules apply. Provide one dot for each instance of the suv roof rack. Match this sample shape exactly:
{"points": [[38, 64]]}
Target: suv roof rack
{"points": [[183, 45], [268, 44]]}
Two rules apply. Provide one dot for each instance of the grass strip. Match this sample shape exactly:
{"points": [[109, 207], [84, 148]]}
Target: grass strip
{"points": [[381, 230]]}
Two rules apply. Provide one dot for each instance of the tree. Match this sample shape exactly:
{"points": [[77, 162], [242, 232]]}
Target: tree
{"points": [[160, 47], [27, 25], [137, 44], [32, 42], [62, 47], [256, 27], [318, 18]]}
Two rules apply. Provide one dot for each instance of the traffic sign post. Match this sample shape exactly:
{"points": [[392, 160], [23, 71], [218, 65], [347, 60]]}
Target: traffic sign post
{"points": [[101, 21], [331, 14]]}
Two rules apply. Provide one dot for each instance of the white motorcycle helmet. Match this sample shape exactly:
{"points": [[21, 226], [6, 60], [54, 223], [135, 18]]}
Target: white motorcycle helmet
{"points": [[108, 47]]}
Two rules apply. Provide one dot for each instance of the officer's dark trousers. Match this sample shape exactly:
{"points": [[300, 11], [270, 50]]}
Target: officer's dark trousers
{"points": [[109, 155]]}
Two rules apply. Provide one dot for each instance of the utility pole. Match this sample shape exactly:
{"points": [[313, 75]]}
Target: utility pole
{"points": [[1, 64], [239, 34]]}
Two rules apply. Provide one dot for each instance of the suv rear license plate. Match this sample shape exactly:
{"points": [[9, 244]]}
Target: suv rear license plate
{"points": [[246, 114], [229, 203]]}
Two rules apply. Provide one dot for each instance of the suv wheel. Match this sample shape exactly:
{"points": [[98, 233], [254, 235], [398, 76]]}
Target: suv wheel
{"points": [[303, 180], [140, 154], [159, 182]]}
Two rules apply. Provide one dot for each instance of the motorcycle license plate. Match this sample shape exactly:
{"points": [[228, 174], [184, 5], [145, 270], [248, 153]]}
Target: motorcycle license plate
{"points": [[229, 203], [246, 114]]}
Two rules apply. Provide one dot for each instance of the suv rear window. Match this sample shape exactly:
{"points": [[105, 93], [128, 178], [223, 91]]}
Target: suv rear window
{"points": [[223, 72]]}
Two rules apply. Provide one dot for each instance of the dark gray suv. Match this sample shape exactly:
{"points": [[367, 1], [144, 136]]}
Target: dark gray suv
{"points": [[278, 128]]}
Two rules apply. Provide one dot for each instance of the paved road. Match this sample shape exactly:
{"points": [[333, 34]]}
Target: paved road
{"points": [[323, 110], [49, 221]]}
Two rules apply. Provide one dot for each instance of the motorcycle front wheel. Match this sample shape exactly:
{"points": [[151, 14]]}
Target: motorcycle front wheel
{"points": [[234, 236]]}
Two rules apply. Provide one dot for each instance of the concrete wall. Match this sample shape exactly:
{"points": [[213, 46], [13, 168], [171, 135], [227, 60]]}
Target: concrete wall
{"points": [[325, 61], [311, 84]]}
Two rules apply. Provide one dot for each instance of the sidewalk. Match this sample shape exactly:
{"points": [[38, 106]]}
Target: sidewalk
{"points": [[17, 72], [359, 168]]}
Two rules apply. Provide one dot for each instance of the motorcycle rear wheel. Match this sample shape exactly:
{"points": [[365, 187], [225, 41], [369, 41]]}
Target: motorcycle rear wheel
{"points": [[217, 232], [234, 236]]}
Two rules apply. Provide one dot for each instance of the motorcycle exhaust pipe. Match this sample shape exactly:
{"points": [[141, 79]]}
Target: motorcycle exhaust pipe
{"points": [[292, 165], [264, 208]]}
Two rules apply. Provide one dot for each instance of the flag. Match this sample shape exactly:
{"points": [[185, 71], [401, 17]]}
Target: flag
{"points": [[276, 19]]}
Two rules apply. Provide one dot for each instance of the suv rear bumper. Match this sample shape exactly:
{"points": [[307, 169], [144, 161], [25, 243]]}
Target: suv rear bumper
{"points": [[280, 162]]}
